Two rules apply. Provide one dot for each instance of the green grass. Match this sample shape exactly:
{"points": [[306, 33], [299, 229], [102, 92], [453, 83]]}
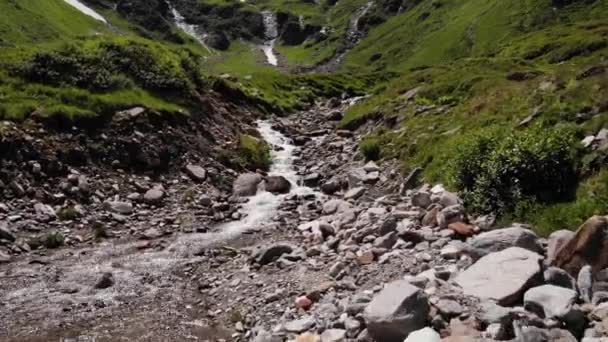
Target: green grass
{"points": [[254, 153], [35, 21]]}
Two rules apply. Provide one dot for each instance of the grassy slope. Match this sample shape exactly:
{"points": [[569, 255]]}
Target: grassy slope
{"points": [[35, 21], [468, 49], [53, 25]]}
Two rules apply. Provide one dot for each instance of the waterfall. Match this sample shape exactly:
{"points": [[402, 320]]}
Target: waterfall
{"points": [[271, 33]]}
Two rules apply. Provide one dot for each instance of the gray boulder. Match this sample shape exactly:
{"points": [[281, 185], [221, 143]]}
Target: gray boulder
{"points": [[266, 255], [502, 276], [123, 208], [396, 311], [500, 239], [5, 232], [354, 193], [585, 283], [154, 196], [247, 184], [196, 172], [277, 184], [550, 301], [421, 199]]}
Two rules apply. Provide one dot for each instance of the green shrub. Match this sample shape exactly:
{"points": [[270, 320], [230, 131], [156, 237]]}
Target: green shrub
{"points": [[370, 149], [100, 231], [53, 240], [496, 172], [254, 152], [67, 214]]}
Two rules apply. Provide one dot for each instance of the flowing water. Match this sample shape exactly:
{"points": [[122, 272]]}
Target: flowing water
{"points": [[271, 32], [193, 31], [80, 269], [86, 10]]}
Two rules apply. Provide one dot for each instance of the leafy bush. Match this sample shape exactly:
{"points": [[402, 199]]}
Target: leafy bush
{"points": [[370, 149], [496, 171], [67, 214], [254, 152]]}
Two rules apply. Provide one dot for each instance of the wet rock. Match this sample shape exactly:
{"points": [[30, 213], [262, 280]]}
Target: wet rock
{"points": [[277, 184], [154, 196], [247, 184], [502, 276], [196, 173], [500, 239], [266, 255], [584, 282], [106, 281], [123, 208], [424, 335], [550, 301], [588, 247], [558, 277], [354, 193], [331, 187], [396, 311], [333, 335], [312, 179], [556, 241]]}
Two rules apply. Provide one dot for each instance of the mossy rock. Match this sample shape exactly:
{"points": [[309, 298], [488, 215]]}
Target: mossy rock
{"points": [[254, 152]]}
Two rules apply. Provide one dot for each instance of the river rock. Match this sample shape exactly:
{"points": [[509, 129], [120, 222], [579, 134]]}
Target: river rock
{"points": [[333, 335], [421, 199], [356, 177], [44, 210], [154, 196], [196, 172], [588, 247], [336, 206], [502, 276], [535, 334], [500, 239], [300, 325], [311, 179], [424, 335], [331, 187], [4, 258], [396, 311], [550, 301], [266, 255], [5, 232], [448, 199], [247, 184], [558, 277], [277, 184], [123, 208], [106, 281], [354, 193]]}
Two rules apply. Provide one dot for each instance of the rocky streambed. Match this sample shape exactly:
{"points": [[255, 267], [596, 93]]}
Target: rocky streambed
{"points": [[341, 250]]}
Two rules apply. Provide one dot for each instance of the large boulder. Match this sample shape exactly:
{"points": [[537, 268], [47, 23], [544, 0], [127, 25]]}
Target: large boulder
{"points": [[550, 301], [502, 276], [398, 310], [588, 247], [500, 239], [277, 184], [247, 184]]}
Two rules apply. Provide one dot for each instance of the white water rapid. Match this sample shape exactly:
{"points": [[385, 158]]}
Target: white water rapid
{"points": [[86, 10], [271, 32], [259, 209]]}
